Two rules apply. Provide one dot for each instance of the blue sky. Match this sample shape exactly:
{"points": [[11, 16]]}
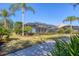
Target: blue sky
{"points": [[46, 13]]}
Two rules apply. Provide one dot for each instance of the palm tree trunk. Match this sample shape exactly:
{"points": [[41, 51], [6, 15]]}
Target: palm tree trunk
{"points": [[22, 21], [5, 23], [71, 28]]}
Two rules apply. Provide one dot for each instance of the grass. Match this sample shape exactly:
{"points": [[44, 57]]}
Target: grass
{"points": [[37, 38], [17, 42]]}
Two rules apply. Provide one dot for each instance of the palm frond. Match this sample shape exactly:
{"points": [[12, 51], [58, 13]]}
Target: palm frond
{"points": [[71, 18], [74, 5], [31, 9], [0, 12], [14, 7]]}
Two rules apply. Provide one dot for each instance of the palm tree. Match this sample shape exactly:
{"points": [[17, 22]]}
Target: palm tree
{"points": [[23, 7], [71, 19], [4, 14], [74, 7]]}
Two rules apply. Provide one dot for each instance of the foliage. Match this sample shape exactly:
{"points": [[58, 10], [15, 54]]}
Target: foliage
{"points": [[61, 30], [4, 13], [75, 5], [68, 30], [69, 48], [71, 18], [3, 31], [27, 28], [18, 27], [18, 6], [23, 7], [6, 21], [4, 34]]}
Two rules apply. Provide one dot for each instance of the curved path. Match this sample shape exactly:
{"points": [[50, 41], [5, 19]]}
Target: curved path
{"points": [[36, 50]]}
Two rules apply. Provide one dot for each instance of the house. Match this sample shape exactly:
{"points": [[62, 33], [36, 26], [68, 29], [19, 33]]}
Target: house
{"points": [[75, 28], [41, 27]]}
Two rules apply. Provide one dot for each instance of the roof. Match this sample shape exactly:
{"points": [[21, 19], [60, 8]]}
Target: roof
{"points": [[38, 24], [74, 27]]}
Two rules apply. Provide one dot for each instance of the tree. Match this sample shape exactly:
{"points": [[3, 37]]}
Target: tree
{"points": [[24, 8], [17, 27], [4, 14], [71, 19], [74, 7], [27, 28]]}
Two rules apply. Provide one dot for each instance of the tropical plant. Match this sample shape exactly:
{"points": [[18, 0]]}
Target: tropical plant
{"points": [[71, 19], [68, 30], [66, 48], [4, 14], [27, 28], [17, 27], [3, 32], [24, 8], [74, 7], [5, 24], [61, 30]]}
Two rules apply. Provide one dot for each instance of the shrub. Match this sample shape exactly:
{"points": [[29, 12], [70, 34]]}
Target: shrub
{"points": [[27, 30], [4, 32], [68, 30], [61, 30], [18, 27]]}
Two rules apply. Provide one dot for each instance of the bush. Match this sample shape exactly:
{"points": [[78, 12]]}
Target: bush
{"points": [[18, 27], [68, 30], [18, 31], [4, 32], [61, 30], [27, 28]]}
